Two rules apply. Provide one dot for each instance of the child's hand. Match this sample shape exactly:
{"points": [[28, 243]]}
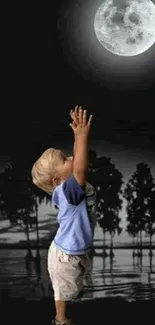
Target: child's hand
{"points": [[75, 115], [80, 125]]}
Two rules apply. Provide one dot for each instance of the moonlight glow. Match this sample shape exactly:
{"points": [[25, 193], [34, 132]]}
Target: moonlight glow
{"points": [[126, 28]]}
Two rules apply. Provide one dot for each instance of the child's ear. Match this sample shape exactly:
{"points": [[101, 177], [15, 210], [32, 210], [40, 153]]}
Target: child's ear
{"points": [[56, 180]]}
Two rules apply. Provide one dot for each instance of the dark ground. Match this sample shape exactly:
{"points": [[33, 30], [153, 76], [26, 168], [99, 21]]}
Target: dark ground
{"points": [[98, 311]]}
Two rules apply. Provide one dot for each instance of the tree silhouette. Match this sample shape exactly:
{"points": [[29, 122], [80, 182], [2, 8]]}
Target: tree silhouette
{"points": [[19, 198], [108, 181], [138, 193], [150, 223], [131, 227]]}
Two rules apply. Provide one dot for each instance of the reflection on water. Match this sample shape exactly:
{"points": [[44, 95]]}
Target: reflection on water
{"points": [[125, 276]]}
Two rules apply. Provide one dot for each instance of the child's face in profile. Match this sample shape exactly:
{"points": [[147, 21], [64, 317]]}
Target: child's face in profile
{"points": [[64, 164]]}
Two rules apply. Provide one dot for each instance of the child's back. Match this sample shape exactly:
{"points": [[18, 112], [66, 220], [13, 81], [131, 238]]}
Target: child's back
{"points": [[76, 216]]}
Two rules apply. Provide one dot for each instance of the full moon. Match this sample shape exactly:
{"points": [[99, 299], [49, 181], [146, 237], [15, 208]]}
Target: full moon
{"points": [[126, 27]]}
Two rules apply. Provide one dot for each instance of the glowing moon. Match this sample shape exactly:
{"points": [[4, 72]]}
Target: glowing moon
{"points": [[127, 27]]}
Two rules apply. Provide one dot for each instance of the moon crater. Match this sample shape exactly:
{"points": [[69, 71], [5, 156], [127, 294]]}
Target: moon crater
{"points": [[126, 29]]}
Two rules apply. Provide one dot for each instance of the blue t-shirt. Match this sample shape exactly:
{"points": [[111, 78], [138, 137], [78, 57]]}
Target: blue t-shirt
{"points": [[76, 216]]}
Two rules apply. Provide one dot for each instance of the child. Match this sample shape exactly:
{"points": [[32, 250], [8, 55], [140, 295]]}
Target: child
{"points": [[65, 178]]}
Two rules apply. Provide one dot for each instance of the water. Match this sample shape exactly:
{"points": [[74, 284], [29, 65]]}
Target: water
{"points": [[123, 276]]}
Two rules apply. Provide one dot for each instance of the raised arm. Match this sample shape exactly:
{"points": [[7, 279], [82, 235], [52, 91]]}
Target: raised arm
{"points": [[74, 115], [81, 128]]}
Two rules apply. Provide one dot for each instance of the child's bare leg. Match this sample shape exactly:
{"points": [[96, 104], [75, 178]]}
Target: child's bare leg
{"points": [[61, 310]]}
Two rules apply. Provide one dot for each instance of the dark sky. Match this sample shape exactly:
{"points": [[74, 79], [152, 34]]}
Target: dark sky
{"points": [[56, 63]]}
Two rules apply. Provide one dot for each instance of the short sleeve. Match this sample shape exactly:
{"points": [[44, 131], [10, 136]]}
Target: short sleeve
{"points": [[73, 192], [55, 199]]}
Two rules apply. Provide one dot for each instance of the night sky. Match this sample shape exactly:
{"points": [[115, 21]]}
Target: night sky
{"points": [[56, 62]]}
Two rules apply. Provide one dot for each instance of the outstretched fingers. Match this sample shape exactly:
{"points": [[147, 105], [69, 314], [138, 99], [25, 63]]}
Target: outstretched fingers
{"points": [[84, 118], [90, 119], [75, 114], [79, 116]]}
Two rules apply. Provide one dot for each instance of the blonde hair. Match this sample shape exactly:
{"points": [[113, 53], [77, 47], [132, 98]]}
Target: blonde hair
{"points": [[44, 170]]}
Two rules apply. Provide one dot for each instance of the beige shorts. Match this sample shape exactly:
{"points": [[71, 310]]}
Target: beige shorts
{"points": [[66, 273]]}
